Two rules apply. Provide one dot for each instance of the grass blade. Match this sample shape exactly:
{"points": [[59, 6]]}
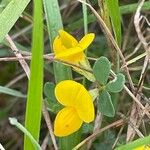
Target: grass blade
{"points": [[125, 9], [35, 90], [114, 13], [135, 144], [12, 92], [8, 19], [54, 23]]}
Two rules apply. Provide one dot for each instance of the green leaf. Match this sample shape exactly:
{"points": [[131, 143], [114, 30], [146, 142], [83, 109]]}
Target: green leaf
{"points": [[87, 128], [101, 70], [117, 84], [105, 104], [12, 92], [106, 142], [124, 9], [49, 89], [8, 19], [54, 107], [35, 89], [114, 12]]}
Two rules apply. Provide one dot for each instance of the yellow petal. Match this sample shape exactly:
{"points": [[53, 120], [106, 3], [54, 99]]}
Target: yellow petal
{"points": [[84, 105], [73, 59], [67, 122], [72, 55], [57, 46], [67, 40], [86, 40], [142, 148], [66, 92], [71, 93]]}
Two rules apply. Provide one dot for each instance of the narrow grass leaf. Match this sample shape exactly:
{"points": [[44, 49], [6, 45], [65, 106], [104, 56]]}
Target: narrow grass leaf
{"points": [[54, 23], [35, 88], [8, 19], [135, 144], [11, 92], [124, 9], [105, 104], [114, 12]]}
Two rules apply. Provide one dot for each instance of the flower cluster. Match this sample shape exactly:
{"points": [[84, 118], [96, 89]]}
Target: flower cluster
{"points": [[77, 102]]}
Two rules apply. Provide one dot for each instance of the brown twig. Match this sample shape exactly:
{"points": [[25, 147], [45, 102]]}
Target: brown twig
{"points": [[45, 142], [49, 124], [18, 55], [98, 132], [97, 125], [134, 117], [49, 57], [16, 79]]}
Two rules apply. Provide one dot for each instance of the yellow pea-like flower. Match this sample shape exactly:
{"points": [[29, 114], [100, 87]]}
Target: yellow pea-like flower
{"points": [[143, 147], [68, 49], [78, 108]]}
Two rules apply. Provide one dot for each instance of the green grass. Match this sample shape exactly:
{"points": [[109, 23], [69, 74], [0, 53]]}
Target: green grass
{"points": [[8, 19], [35, 87]]}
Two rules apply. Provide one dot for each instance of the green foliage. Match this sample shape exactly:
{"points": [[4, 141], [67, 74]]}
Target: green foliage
{"points": [[65, 144], [53, 107], [87, 128], [94, 93], [117, 84], [106, 142], [35, 90], [49, 88], [8, 19], [124, 9], [12, 92], [135, 144], [114, 13], [101, 70], [14, 122], [54, 23], [105, 104], [52, 103]]}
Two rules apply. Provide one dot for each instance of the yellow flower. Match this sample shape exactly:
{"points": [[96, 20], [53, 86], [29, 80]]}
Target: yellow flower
{"points": [[78, 107], [68, 49], [143, 147]]}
